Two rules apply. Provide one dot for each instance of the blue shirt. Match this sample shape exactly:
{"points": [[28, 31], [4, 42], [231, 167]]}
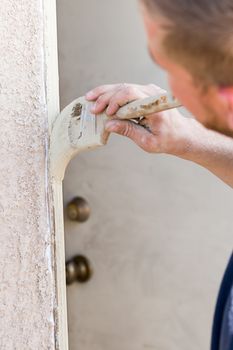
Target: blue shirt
{"points": [[222, 331], [226, 336]]}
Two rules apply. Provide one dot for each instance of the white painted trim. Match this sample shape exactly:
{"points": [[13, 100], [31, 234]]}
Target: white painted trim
{"points": [[56, 204], [51, 60], [61, 336]]}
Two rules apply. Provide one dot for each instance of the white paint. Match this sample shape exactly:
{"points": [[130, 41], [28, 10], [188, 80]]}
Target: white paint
{"points": [[73, 134], [51, 60], [61, 310], [54, 186]]}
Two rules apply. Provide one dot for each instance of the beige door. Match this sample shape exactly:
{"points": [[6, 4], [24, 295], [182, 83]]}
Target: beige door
{"points": [[160, 230]]}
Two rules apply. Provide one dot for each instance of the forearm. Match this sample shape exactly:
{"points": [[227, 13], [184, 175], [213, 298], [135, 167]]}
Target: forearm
{"points": [[210, 150]]}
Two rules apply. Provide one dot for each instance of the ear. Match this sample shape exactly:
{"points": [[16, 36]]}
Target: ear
{"points": [[226, 95]]}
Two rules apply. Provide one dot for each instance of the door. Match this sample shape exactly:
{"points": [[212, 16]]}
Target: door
{"points": [[159, 232]]}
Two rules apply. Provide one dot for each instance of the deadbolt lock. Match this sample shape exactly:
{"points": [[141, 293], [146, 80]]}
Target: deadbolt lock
{"points": [[78, 269], [78, 209]]}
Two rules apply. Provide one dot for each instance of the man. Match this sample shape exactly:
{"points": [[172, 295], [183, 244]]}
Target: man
{"points": [[193, 41]]}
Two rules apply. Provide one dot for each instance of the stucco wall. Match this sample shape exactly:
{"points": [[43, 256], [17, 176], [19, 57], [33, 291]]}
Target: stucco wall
{"points": [[26, 288]]}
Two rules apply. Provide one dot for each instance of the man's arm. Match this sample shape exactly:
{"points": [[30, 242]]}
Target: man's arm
{"points": [[211, 150], [168, 132]]}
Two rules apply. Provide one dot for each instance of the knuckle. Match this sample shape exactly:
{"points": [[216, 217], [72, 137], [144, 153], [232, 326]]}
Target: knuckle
{"points": [[128, 90], [102, 99], [125, 88], [113, 105], [133, 91], [130, 93], [128, 128]]}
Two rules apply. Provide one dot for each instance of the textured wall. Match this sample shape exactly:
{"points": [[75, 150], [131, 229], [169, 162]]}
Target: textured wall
{"points": [[26, 288]]}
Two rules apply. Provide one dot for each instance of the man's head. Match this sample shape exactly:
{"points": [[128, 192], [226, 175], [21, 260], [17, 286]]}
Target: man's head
{"points": [[193, 41]]}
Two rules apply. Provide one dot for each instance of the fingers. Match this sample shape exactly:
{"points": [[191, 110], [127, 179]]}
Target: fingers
{"points": [[112, 97], [102, 102], [95, 93], [122, 97], [135, 132], [149, 90], [102, 96]]}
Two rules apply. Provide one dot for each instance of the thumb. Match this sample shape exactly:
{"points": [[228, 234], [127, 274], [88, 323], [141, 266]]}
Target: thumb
{"points": [[135, 132]]}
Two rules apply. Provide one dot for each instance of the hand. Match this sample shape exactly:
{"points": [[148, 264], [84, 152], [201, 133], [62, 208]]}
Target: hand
{"points": [[170, 132], [164, 132]]}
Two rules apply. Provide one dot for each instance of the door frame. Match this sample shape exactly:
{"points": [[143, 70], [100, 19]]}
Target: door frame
{"points": [[55, 193]]}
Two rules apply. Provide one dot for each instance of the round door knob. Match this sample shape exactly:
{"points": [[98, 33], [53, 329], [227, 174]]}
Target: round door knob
{"points": [[78, 209], [78, 269]]}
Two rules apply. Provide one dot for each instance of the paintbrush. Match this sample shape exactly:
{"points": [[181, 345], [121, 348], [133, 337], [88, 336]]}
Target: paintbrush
{"points": [[77, 129], [92, 126]]}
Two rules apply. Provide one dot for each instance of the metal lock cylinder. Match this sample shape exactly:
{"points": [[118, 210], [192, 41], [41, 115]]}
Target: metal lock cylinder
{"points": [[78, 209]]}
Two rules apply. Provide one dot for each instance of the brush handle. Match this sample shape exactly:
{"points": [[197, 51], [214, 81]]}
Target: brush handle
{"points": [[143, 107]]}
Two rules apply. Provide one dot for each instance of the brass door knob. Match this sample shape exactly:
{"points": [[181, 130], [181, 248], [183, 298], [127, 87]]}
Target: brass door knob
{"points": [[78, 269], [78, 209]]}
